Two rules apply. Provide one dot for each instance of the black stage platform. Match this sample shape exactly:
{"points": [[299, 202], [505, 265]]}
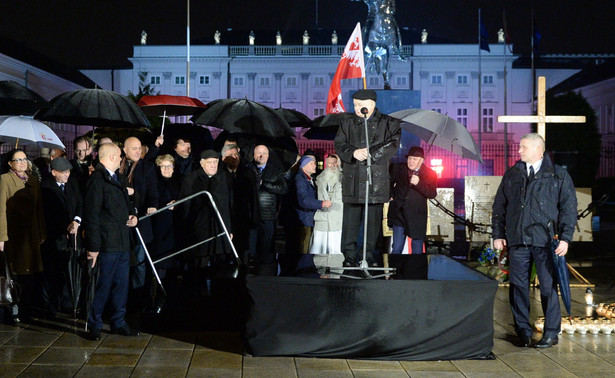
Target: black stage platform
{"points": [[447, 317]]}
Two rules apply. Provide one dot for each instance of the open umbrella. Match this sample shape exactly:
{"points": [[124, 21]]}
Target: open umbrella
{"points": [[561, 268], [325, 127], [25, 130], [244, 116], [167, 105], [294, 118], [93, 107], [15, 99], [439, 130]]}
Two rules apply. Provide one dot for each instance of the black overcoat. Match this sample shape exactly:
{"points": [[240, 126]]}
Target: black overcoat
{"points": [[522, 210], [105, 213], [384, 135], [408, 208], [60, 210], [199, 216]]}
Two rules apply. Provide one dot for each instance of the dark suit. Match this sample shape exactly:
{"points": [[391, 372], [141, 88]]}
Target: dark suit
{"points": [[60, 208], [104, 219]]}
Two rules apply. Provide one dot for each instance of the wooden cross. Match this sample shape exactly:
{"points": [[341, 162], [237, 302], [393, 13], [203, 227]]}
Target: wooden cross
{"points": [[541, 118]]}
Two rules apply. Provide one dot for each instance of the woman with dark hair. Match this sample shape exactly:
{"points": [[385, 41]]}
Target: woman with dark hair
{"points": [[22, 228]]}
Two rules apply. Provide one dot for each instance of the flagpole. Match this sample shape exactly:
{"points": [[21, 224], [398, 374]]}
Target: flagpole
{"points": [[532, 60], [364, 83], [505, 92], [480, 145]]}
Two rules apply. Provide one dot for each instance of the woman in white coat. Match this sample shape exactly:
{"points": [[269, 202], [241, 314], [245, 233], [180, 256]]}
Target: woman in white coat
{"points": [[327, 235]]}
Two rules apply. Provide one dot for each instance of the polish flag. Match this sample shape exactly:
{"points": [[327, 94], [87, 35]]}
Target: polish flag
{"points": [[351, 66]]}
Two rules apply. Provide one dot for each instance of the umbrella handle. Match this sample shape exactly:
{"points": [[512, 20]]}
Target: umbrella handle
{"points": [[16, 143], [164, 116]]}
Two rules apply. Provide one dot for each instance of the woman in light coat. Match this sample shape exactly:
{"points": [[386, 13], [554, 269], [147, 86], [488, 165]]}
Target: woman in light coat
{"points": [[327, 234]]}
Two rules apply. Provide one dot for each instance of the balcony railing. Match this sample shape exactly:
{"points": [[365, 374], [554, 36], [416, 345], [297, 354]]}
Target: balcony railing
{"points": [[296, 50]]}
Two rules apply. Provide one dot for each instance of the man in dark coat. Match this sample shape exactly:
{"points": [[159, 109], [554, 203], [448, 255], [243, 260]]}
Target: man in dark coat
{"points": [[198, 213], [412, 185], [184, 162], [533, 192], [237, 176], [267, 184], [143, 190], [62, 205], [106, 220], [82, 161], [350, 144]]}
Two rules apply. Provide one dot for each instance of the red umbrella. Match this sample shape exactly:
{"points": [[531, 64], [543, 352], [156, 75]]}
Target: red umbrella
{"points": [[168, 105]]}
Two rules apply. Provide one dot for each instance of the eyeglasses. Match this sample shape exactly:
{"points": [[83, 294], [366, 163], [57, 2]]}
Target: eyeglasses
{"points": [[20, 160], [166, 166]]}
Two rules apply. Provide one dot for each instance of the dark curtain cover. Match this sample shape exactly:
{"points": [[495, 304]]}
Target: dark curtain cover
{"points": [[449, 316]]}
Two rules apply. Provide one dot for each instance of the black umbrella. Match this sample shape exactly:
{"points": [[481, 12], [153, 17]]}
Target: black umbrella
{"points": [[294, 118], [74, 272], [439, 130], [93, 107], [244, 116], [284, 150], [15, 99], [325, 127], [561, 268]]}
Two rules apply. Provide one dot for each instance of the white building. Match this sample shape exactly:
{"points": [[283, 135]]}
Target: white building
{"points": [[298, 77]]}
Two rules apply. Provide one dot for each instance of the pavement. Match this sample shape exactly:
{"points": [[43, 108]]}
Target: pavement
{"points": [[201, 338]]}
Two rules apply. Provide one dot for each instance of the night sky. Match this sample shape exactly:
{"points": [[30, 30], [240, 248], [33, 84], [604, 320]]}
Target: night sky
{"points": [[87, 33]]}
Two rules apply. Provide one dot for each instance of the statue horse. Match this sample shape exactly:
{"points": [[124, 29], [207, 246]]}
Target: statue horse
{"points": [[381, 38]]}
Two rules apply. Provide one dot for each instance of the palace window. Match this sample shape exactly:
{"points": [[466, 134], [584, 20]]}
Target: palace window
{"points": [[488, 79], [319, 81], [179, 80], [291, 81], [265, 81], [462, 116], [462, 79], [401, 81], [204, 79], [154, 80], [238, 81], [488, 120], [436, 79]]}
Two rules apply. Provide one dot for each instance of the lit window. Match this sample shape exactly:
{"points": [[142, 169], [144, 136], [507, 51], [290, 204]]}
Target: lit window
{"points": [[488, 120]]}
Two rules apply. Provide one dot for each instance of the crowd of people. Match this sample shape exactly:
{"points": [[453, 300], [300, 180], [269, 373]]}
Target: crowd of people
{"points": [[93, 203]]}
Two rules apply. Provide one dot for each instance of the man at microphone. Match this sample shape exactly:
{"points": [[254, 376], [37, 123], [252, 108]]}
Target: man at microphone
{"points": [[384, 134], [412, 183]]}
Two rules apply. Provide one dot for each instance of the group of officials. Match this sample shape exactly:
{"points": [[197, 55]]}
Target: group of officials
{"points": [[108, 193]]}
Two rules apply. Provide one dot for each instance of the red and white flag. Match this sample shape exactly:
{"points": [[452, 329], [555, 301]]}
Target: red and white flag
{"points": [[351, 66]]}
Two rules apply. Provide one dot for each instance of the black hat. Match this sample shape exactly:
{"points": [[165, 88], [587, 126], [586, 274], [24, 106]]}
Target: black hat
{"points": [[210, 154], [365, 94], [416, 151], [61, 164]]}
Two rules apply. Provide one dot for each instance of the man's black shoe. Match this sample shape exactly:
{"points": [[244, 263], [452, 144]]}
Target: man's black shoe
{"points": [[526, 341], [372, 263], [94, 334], [546, 342], [125, 331], [349, 263]]}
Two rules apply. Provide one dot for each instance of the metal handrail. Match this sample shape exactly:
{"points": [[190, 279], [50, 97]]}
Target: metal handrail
{"points": [[213, 204]]}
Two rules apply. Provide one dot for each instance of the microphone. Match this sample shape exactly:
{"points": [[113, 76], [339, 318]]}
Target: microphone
{"points": [[364, 111]]}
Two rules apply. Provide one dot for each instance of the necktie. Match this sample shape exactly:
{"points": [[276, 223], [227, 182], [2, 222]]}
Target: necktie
{"points": [[62, 187], [114, 177], [530, 177]]}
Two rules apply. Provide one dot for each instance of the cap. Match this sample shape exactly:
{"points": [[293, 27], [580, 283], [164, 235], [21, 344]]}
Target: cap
{"points": [[416, 151], [61, 164], [365, 94], [210, 154], [305, 160]]}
